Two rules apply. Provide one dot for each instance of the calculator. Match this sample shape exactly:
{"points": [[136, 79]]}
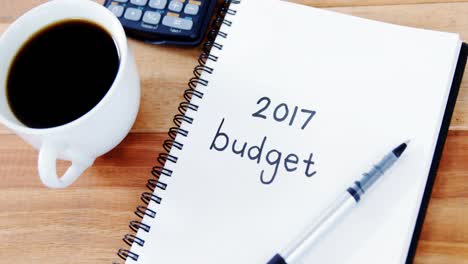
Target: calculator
{"points": [[179, 22]]}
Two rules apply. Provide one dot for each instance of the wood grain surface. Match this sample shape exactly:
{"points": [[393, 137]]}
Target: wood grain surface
{"points": [[85, 223]]}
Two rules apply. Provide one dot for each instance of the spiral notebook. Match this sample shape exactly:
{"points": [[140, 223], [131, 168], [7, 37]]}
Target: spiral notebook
{"points": [[288, 106]]}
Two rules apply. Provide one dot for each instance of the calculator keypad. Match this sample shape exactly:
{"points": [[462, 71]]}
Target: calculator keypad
{"points": [[191, 9], [117, 10], [176, 22], [133, 14], [139, 2], [175, 6], [151, 17], [158, 4], [180, 19]]}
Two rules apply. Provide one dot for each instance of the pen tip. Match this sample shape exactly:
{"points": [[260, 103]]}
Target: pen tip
{"points": [[400, 149]]}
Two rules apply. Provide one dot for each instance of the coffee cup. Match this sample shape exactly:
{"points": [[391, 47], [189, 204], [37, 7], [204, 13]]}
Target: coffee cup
{"points": [[98, 130]]}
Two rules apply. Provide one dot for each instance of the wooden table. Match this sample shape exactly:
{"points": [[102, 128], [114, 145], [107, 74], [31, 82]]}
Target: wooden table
{"points": [[85, 223]]}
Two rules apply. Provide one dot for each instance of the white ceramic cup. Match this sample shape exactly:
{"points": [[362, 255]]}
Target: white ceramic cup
{"points": [[98, 131]]}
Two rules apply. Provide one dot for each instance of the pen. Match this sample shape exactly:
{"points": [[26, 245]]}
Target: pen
{"points": [[337, 209]]}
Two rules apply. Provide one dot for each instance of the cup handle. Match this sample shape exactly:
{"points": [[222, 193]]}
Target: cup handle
{"points": [[47, 165]]}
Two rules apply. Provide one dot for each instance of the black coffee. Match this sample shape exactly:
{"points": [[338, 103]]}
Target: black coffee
{"points": [[61, 73]]}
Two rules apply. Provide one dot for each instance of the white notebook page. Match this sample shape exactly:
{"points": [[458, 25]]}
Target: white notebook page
{"points": [[371, 86]]}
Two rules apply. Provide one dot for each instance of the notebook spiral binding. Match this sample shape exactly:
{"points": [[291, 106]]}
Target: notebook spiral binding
{"points": [[159, 170]]}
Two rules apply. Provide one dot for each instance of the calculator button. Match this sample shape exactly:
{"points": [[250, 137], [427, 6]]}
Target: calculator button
{"points": [[133, 14], [175, 6], [177, 22], [195, 2], [158, 4], [151, 17], [191, 9], [139, 2], [116, 9]]}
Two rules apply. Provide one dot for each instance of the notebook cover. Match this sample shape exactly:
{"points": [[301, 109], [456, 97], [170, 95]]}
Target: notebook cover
{"points": [[457, 79]]}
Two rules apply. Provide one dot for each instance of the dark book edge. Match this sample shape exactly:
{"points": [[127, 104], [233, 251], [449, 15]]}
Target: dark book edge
{"points": [[457, 79]]}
